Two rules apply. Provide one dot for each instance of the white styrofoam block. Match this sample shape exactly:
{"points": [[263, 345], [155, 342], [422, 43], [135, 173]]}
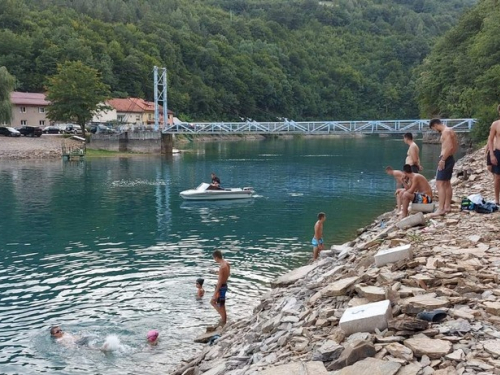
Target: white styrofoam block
{"points": [[366, 318], [393, 255]]}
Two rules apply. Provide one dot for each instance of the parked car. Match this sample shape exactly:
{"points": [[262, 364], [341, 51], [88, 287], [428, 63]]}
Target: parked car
{"points": [[51, 130], [9, 132], [32, 131], [103, 129], [72, 129]]}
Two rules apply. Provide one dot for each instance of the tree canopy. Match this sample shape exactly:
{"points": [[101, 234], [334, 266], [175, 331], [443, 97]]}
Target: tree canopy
{"points": [[303, 59], [76, 93], [461, 76], [7, 82]]}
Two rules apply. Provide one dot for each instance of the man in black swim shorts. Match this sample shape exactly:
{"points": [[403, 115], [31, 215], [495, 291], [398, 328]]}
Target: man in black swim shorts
{"points": [[449, 145]]}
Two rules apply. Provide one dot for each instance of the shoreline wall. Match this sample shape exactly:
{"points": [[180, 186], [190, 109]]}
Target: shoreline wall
{"points": [[454, 267]]}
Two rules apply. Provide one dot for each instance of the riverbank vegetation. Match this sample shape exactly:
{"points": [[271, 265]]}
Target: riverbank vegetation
{"points": [[461, 76], [232, 59]]}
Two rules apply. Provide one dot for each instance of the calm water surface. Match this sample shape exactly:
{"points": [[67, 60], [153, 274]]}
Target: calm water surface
{"points": [[107, 246]]}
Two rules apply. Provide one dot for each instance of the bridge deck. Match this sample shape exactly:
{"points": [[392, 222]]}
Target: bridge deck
{"points": [[318, 127]]}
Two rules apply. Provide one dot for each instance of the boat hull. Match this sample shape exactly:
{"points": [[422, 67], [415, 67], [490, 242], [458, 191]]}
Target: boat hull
{"points": [[204, 193], [211, 195]]}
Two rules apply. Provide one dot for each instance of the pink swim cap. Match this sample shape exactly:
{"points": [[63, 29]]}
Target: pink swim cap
{"points": [[153, 335]]}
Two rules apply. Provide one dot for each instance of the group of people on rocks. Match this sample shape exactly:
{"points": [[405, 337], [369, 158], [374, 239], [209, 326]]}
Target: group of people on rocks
{"points": [[414, 187]]}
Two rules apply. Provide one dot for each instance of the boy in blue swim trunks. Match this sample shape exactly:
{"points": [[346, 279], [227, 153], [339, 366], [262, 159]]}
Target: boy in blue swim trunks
{"points": [[218, 300], [317, 240]]}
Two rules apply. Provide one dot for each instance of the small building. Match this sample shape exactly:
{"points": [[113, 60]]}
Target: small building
{"points": [[137, 112], [28, 109]]}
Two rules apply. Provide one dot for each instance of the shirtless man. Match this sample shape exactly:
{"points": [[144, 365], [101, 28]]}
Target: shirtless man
{"points": [[493, 148], [412, 156], [218, 300], [449, 145], [402, 183], [419, 191], [317, 240]]}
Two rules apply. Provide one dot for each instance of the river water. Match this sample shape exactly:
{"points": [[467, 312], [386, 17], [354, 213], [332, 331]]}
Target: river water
{"points": [[107, 246]]}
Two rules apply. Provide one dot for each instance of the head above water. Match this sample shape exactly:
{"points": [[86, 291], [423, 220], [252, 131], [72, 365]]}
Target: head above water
{"points": [[321, 216], [389, 170], [200, 281], [153, 335], [217, 254], [56, 331]]}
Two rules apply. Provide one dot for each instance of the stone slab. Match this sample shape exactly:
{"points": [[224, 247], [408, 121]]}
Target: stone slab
{"points": [[492, 347], [339, 287], [433, 348], [371, 293], [371, 366], [366, 318], [393, 255], [297, 368], [292, 276]]}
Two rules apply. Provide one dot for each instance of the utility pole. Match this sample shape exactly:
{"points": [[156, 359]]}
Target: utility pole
{"points": [[160, 91]]}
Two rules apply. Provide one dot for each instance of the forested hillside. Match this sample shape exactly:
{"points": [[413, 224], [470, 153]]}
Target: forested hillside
{"points": [[461, 77], [341, 59]]}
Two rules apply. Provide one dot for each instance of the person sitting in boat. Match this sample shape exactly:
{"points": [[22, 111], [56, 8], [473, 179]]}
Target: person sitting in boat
{"points": [[215, 185]]}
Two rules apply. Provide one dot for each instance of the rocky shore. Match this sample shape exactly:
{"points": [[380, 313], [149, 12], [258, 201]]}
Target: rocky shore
{"points": [[352, 313]]}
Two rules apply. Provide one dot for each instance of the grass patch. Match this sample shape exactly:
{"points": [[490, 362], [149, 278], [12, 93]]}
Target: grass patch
{"points": [[105, 153]]}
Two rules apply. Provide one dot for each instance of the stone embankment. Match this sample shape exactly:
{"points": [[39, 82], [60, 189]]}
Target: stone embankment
{"points": [[354, 312], [45, 147]]}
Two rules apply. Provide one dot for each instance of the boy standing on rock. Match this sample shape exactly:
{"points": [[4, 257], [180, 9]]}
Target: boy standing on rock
{"points": [[493, 148], [219, 299], [317, 240]]}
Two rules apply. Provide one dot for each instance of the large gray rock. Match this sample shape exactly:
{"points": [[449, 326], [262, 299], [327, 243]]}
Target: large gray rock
{"points": [[371, 366], [297, 368], [218, 370], [433, 348], [339, 287], [354, 352], [329, 351], [292, 276], [492, 346]]}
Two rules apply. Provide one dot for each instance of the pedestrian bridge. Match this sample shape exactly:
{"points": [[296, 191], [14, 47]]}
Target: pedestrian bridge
{"points": [[317, 127]]}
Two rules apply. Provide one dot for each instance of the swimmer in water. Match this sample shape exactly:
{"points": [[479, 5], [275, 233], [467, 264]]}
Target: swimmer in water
{"points": [[199, 285], [65, 338], [153, 337]]}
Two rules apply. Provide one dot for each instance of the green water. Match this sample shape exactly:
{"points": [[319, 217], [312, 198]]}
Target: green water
{"points": [[107, 246]]}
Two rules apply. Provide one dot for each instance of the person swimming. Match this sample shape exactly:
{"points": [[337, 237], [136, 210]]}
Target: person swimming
{"points": [[67, 339], [199, 285], [153, 337]]}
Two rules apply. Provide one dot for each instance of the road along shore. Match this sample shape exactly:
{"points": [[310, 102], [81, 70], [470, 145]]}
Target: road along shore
{"points": [[354, 311]]}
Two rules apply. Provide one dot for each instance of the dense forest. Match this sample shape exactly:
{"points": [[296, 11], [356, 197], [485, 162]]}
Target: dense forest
{"points": [[461, 76], [302, 59]]}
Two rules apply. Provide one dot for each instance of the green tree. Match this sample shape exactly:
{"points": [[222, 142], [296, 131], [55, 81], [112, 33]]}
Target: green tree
{"points": [[76, 93], [7, 82]]}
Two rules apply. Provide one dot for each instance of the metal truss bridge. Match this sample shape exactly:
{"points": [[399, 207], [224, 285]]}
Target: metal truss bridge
{"points": [[317, 127]]}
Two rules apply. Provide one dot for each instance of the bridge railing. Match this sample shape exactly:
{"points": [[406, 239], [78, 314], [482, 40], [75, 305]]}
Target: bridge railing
{"points": [[318, 127]]}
